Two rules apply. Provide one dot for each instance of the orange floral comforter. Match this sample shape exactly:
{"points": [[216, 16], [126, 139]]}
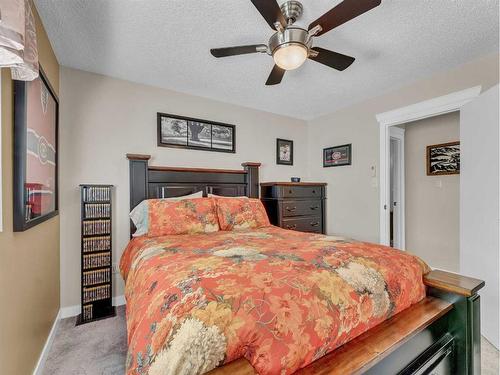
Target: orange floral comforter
{"points": [[279, 298]]}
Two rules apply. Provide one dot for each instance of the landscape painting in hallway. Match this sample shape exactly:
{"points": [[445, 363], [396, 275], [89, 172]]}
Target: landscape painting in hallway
{"points": [[443, 159]]}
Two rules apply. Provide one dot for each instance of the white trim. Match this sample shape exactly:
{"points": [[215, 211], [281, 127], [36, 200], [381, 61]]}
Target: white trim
{"points": [[48, 344], [70, 311], [428, 108], [399, 134], [442, 269], [1, 201]]}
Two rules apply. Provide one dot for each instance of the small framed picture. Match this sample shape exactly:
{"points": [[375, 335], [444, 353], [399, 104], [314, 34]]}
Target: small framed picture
{"points": [[284, 152], [337, 156], [186, 132], [443, 159]]}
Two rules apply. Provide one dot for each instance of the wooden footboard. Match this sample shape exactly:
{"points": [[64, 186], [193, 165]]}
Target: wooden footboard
{"points": [[439, 335]]}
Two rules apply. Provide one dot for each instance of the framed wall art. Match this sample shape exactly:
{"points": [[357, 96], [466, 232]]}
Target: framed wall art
{"points": [[284, 151], [36, 117], [443, 159], [186, 132], [337, 156]]}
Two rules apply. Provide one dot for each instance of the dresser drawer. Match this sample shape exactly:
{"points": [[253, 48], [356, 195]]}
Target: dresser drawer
{"points": [[304, 224], [301, 192], [291, 208]]}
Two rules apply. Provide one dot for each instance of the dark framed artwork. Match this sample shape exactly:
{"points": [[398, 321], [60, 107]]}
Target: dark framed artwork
{"points": [[443, 159], [337, 156], [36, 118], [186, 132], [284, 151]]}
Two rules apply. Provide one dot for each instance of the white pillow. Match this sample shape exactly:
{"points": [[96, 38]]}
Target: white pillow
{"points": [[223, 196], [140, 216], [198, 194]]}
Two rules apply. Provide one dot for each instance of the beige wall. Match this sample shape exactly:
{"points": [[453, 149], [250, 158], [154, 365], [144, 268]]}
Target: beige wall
{"points": [[29, 261], [103, 118], [353, 194], [432, 203]]}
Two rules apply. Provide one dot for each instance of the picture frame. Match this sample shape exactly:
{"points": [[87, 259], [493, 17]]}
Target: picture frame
{"points": [[337, 156], [443, 159], [284, 151], [195, 134], [36, 132]]}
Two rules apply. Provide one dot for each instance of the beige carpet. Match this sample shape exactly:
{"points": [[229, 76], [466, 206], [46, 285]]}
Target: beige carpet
{"points": [[100, 348], [97, 348], [490, 358]]}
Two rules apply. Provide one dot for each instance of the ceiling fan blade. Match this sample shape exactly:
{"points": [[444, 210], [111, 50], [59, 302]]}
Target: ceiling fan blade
{"points": [[343, 12], [276, 76], [270, 10], [238, 50], [332, 59]]}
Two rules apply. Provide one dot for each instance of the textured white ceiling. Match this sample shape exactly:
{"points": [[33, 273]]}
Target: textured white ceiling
{"points": [[166, 43]]}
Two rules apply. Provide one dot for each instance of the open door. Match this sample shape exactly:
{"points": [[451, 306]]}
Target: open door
{"points": [[479, 203], [397, 188]]}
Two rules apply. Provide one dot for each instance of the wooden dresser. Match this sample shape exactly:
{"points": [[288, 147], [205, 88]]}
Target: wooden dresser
{"points": [[295, 205]]}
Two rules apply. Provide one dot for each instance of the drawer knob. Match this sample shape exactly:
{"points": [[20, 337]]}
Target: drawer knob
{"points": [[291, 208], [314, 191], [314, 207], [290, 191], [294, 226], [315, 224]]}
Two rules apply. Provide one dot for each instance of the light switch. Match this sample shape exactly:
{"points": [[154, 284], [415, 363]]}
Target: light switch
{"points": [[373, 170], [439, 184]]}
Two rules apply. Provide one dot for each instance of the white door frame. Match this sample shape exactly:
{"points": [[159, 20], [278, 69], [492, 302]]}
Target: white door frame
{"points": [[399, 221], [428, 108]]}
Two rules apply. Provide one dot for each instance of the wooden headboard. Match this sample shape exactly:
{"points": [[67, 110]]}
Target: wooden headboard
{"points": [[147, 182]]}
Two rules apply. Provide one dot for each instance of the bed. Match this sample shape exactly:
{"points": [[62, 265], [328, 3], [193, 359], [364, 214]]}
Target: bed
{"points": [[270, 301]]}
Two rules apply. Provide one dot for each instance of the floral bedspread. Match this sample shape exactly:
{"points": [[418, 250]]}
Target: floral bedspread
{"points": [[279, 298]]}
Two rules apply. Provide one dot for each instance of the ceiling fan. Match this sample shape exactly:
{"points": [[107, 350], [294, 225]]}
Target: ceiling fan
{"points": [[291, 45]]}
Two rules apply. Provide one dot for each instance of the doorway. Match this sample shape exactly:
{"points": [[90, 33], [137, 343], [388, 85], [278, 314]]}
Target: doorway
{"points": [[429, 108], [397, 188]]}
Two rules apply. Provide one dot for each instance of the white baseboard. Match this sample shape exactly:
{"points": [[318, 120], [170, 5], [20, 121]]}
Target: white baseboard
{"points": [[69, 311], [46, 348], [441, 269]]}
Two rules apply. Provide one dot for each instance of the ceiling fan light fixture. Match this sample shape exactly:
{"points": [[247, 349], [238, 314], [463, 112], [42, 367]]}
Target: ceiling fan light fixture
{"points": [[290, 56], [291, 45]]}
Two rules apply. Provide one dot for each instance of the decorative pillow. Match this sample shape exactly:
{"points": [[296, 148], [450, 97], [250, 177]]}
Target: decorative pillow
{"points": [[182, 217], [238, 214], [140, 214]]}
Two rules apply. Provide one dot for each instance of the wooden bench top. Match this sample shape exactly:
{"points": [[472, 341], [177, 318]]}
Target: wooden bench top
{"points": [[367, 349], [453, 282]]}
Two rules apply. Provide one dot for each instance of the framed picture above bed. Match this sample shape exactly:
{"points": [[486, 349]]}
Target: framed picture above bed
{"points": [[337, 156], [197, 134], [36, 117], [443, 159]]}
